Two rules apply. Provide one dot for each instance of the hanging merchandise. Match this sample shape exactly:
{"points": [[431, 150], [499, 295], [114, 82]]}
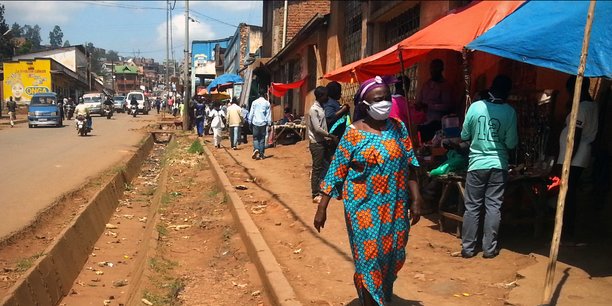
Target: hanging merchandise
{"points": [[534, 113]]}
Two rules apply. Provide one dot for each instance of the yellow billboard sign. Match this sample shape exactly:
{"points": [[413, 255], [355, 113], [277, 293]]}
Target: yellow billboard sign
{"points": [[25, 78]]}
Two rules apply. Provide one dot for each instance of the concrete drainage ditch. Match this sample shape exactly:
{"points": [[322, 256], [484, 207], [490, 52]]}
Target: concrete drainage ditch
{"points": [[51, 276]]}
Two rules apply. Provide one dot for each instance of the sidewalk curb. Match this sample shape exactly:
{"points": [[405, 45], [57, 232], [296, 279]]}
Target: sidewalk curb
{"points": [[52, 275], [278, 287]]}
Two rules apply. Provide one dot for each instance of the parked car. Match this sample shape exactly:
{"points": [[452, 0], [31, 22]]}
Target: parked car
{"points": [[93, 101], [119, 103], [143, 103], [44, 110]]}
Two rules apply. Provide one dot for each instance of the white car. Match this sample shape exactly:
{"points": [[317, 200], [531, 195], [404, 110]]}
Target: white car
{"points": [[93, 101], [143, 103]]}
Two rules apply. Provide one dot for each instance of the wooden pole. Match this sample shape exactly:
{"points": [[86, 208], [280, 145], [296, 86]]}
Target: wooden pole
{"points": [[319, 64], [466, 78], [569, 146], [411, 131]]}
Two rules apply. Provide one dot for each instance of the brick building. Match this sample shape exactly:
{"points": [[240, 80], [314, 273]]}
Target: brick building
{"points": [[298, 14], [352, 30], [126, 79]]}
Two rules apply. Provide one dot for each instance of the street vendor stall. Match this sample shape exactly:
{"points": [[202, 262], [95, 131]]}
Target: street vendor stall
{"points": [[289, 132]]}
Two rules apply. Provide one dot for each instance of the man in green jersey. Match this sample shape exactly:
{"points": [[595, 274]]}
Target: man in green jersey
{"points": [[490, 126]]}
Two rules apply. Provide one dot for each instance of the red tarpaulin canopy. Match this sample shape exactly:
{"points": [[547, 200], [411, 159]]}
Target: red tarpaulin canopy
{"points": [[280, 89], [452, 32]]}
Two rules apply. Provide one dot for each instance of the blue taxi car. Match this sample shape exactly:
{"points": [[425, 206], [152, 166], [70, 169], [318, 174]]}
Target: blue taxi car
{"points": [[44, 111]]}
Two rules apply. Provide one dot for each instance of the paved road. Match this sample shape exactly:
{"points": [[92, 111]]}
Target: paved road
{"points": [[37, 165]]}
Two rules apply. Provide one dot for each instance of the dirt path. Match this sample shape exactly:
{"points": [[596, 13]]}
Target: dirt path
{"points": [[199, 260], [319, 266]]}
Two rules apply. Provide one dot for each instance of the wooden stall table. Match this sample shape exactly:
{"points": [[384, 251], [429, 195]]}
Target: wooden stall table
{"points": [[533, 187], [280, 129]]}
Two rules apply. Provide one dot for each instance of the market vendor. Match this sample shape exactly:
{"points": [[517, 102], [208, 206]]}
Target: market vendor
{"points": [[586, 131], [435, 97]]}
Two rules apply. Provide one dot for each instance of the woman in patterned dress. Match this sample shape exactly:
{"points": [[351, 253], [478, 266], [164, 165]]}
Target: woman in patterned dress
{"points": [[372, 172]]}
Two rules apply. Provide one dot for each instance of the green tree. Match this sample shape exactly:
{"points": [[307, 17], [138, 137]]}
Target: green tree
{"points": [[67, 43], [112, 55], [32, 35], [56, 36], [6, 46], [16, 30]]}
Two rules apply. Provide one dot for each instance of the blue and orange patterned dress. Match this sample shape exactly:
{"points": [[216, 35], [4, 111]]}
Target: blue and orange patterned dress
{"points": [[370, 173]]}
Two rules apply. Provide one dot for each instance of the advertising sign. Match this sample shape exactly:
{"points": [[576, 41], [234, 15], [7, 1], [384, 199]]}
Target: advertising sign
{"points": [[23, 79]]}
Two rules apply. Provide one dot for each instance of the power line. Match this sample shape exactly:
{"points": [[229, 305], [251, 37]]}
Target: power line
{"points": [[119, 5], [211, 18]]}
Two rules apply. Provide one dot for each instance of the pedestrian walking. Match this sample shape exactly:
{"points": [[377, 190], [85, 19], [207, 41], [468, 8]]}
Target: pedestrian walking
{"points": [[321, 141], [490, 127], [199, 115], [260, 118], [373, 170], [245, 124], [157, 104], [12, 110], [587, 124], [217, 118], [234, 121]]}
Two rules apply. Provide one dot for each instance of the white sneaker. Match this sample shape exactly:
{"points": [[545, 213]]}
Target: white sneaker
{"points": [[317, 199], [255, 154]]}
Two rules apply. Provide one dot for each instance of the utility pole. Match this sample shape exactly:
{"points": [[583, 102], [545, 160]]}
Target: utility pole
{"points": [[186, 80], [167, 49]]}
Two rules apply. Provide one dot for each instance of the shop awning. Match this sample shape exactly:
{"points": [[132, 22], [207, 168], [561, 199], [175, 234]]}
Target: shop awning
{"points": [[224, 79], [280, 89], [452, 32], [549, 34]]}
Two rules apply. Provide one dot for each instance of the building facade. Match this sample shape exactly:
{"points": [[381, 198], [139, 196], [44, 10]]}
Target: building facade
{"points": [[26, 77], [203, 58], [245, 42]]}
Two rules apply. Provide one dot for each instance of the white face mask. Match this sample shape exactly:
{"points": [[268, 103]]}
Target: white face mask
{"points": [[379, 110]]}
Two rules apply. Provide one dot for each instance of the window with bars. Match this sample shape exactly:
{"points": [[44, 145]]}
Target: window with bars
{"points": [[352, 31], [403, 25]]}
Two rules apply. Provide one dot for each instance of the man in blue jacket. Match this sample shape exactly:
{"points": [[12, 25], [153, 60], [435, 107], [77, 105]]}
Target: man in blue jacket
{"points": [[490, 126]]}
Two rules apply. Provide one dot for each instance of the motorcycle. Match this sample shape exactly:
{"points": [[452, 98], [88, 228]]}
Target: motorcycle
{"points": [[69, 110], [108, 111], [81, 125], [134, 110]]}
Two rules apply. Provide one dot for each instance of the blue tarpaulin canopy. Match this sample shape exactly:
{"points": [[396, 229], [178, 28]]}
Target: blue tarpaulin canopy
{"points": [[224, 79], [550, 33]]}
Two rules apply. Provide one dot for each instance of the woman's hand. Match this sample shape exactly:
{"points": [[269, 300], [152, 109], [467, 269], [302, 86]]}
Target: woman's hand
{"points": [[320, 218], [415, 210], [321, 214]]}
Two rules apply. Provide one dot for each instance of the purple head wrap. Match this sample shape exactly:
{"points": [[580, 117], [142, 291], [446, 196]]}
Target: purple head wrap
{"points": [[368, 86]]}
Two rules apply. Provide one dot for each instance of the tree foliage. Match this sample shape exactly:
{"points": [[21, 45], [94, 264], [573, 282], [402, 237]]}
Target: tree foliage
{"points": [[6, 47], [67, 43], [56, 36]]}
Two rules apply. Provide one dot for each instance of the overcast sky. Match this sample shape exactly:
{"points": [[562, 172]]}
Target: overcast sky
{"points": [[132, 26]]}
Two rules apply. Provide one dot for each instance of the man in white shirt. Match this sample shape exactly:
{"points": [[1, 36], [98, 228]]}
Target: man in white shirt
{"points": [[321, 142], [586, 131]]}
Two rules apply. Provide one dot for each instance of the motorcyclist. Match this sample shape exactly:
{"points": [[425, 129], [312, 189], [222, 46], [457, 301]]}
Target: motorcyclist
{"points": [[81, 109], [109, 102], [69, 108], [134, 102]]}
